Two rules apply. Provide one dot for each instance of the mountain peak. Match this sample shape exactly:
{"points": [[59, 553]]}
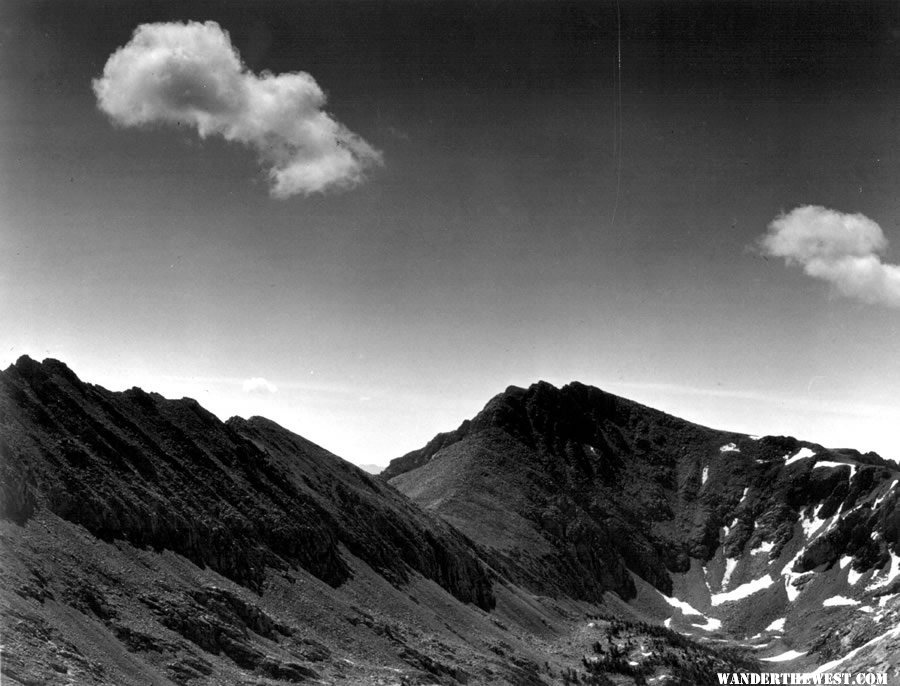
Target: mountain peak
{"points": [[515, 391], [577, 470], [518, 411], [28, 367]]}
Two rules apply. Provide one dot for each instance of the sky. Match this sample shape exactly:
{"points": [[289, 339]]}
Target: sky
{"points": [[364, 219]]}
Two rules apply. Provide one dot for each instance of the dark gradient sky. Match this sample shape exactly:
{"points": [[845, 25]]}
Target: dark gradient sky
{"points": [[484, 251]]}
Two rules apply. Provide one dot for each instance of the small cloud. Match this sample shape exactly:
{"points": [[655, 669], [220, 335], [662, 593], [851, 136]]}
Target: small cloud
{"points": [[398, 133], [842, 249], [190, 74], [259, 385]]}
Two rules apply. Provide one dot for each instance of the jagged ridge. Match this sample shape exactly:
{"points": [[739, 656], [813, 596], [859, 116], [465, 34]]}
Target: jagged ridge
{"points": [[240, 497]]}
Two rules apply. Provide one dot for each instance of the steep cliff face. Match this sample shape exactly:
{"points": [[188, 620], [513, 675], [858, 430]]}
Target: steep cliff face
{"points": [[240, 497], [388, 532], [614, 496]]}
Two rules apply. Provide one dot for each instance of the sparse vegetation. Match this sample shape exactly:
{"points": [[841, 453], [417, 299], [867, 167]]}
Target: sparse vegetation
{"points": [[685, 661]]}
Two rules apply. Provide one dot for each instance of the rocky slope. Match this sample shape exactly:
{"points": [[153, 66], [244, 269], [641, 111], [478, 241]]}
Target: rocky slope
{"points": [[143, 541], [787, 547], [238, 497]]}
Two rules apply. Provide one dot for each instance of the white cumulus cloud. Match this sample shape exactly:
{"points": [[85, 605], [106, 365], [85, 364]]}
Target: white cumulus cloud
{"points": [[190, 74], [259, 385], [842, 249]]}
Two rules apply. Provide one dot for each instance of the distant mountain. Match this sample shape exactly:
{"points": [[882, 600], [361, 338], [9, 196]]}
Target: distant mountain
{"points": [[372, 468], [561, 535], [778, 543]]}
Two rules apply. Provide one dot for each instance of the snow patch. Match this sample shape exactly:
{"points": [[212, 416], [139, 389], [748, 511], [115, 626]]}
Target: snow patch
{"points": [[668, 623], [744, 495], [705, 475], [802, 454], [853, 576], [763, 547], [790, 577], [844, 561], [777, 625], [686, 608], [813, 524], [836, 518], [834, 465], [890, 573], [743, 591], [838, 601], [728, 527], [712, 624], [729, 448], [884, 495], [730, 565], [784, 657]]}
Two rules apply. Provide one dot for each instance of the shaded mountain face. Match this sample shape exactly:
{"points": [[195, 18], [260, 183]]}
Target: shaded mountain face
{"points": [[580, 492], [145, 541], [238, 497]]}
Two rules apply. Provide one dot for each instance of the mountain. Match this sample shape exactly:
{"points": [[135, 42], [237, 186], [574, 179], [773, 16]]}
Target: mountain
{"points": [[145, 541], [781, 545], [371, 468], [560, 535]]}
